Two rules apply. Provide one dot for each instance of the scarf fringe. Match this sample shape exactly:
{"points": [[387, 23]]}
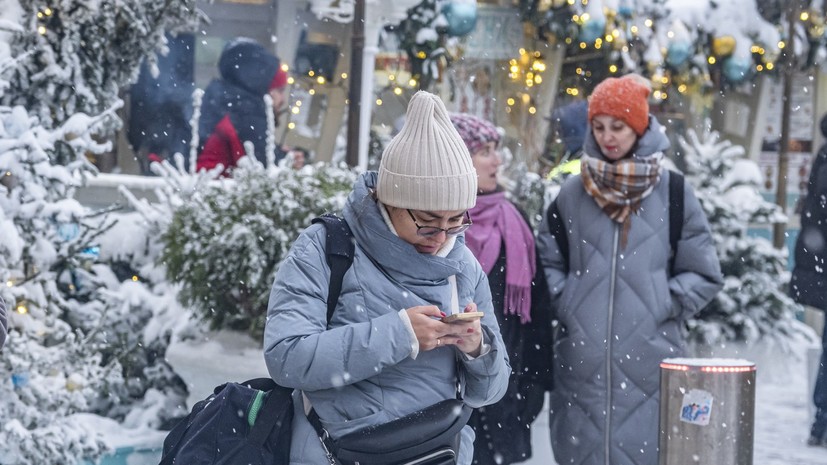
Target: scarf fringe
{"points": [[518, 302]]}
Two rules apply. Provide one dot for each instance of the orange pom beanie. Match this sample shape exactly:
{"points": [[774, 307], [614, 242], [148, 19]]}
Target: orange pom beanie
{"points": [[625, 98]]}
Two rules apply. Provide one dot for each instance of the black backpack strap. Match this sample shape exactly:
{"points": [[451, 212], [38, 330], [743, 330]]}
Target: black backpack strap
{"points": [[675, 215], [558, 230], [339, 253]]}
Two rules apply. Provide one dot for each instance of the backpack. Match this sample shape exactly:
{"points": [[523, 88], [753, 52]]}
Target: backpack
{"points": [[250, 423], [558, 230]]}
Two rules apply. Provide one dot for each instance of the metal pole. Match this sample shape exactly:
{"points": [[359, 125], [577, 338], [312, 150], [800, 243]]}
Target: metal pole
{"points": [[355, 90], [791, 63]]}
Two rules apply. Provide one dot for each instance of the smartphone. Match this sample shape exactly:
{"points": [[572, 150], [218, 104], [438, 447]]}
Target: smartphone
{"points": [[462, 317]]}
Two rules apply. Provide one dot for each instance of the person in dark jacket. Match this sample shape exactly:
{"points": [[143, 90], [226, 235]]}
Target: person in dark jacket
{"points": [[503, 242], [570, 121], [808, 285], [233, 109], [3, 323], [618, 302], [385, 352]]}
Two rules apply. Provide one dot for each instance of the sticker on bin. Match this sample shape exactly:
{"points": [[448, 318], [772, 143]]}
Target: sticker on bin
{"points": [[696, 407]]}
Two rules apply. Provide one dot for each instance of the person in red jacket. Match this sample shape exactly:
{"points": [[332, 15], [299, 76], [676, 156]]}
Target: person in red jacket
{"points": [[233, 109]]}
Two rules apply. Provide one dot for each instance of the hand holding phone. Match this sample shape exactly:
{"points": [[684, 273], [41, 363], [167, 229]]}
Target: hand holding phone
{"points": [[466, 316]]}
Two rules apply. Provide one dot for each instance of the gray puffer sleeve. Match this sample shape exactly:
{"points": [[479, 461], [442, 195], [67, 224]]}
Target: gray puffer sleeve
{"points": [[697, 272], [299, 350]]}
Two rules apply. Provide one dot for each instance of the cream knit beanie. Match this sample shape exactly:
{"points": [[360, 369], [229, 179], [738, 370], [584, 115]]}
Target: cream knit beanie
{"points": [[427, 166]]}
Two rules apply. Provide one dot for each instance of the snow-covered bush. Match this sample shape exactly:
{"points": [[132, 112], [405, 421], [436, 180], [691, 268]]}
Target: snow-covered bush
{"points": [[223, 246], [753, 303]]}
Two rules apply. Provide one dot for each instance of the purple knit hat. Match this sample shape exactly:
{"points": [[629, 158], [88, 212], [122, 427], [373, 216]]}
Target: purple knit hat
{"points": [[475, 131]]}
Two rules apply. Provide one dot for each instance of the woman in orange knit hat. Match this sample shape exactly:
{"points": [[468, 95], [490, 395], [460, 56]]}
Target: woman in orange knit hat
{"points": [[618, 290]]}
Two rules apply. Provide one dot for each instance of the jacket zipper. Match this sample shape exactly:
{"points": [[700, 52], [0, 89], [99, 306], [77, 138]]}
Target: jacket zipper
{"points": [[607, 434]]}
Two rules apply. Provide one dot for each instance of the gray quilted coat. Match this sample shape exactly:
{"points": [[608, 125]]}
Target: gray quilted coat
{"points": [[359, 371], [620, 313]]}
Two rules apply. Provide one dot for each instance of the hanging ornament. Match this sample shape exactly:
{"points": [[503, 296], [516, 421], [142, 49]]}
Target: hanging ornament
{"points": [[738, 66], [723, 46], [678, 53], [625, 10], [20, 380], [593, 24], [736, 69], [75, 382], [679, 47], [461, 17], [592, 29]]}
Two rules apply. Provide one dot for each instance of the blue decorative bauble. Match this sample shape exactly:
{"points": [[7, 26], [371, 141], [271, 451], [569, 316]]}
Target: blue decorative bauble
{"points": [[592, 30], [68, 231], [20, 380], [625, 11], [461, 17], [737, 69], [678, 53]]}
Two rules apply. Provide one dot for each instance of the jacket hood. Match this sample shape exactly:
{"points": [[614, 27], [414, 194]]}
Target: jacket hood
{"points": [[246, 64], [392, 253], [652, 141]]}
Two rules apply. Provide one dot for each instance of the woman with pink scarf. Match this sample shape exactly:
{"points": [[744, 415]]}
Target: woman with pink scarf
{"points": [[503, 242]]}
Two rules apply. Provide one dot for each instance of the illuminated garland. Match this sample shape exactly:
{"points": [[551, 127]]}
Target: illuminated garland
{"points": [[674, 56]]}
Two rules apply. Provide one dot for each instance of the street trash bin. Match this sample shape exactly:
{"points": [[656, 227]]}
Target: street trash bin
{"points": [[707, 411]]}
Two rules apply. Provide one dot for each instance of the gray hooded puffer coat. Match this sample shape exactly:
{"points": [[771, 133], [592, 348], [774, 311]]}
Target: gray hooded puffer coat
{"points": [[620, 313], [359, 371]]}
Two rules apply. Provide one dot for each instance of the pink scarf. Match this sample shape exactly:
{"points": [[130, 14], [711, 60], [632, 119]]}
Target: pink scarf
{"points": [[496, 221]]}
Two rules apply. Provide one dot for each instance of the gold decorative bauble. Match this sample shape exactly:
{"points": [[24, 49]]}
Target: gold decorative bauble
{"points": [[723, 46]]}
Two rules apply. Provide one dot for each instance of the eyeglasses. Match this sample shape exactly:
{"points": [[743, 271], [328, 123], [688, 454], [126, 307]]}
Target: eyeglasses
{"points": [[429, 231]]}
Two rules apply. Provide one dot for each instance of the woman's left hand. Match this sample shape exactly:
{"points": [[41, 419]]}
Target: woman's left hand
{"points": [[466, 334]]}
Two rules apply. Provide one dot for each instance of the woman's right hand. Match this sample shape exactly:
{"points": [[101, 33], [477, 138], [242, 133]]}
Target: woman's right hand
{"points": [[427, 326], [431, 332]]}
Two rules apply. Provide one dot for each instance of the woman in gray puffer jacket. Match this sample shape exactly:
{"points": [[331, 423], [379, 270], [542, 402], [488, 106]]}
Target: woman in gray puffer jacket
{"points": [[385, 352], [619, 305]]}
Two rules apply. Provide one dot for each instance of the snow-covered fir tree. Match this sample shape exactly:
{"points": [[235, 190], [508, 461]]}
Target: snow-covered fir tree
{"points": [[86, 342], [76, 55], [753, 303], [75, 345]]}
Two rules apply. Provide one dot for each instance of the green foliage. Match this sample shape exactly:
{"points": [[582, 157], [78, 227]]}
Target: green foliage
{"points": [[224, 247]]}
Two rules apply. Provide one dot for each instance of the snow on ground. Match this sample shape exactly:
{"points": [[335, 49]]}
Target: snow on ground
{"points": [[783, 393]]}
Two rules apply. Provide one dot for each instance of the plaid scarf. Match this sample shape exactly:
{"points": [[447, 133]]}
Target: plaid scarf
{"points": [[619, 188]]}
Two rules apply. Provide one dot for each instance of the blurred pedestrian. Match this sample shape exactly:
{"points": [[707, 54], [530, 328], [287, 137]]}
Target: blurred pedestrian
{"points": [[570, 122], [233, 109], [296, 158], [619, 298], [808, 285], [385, 353], [503, 242]]}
